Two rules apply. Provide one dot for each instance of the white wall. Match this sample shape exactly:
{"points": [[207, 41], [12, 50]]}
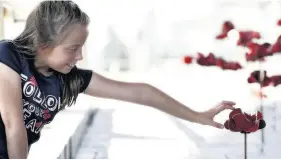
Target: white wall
{"points": [[150, 28], [1, 21]]}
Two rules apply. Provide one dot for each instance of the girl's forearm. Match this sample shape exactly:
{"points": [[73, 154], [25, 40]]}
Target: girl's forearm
{"points": [[151, 96]]}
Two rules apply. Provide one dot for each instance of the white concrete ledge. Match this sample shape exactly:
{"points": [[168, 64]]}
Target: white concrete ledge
{"points": [[61, 138]]}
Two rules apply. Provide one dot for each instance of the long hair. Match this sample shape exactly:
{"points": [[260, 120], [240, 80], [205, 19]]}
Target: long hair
{"points": [[47, 25]]}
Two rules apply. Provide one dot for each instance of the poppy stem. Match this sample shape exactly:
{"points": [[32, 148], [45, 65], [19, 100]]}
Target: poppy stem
{"points": [[262, 78], [245, 145]]}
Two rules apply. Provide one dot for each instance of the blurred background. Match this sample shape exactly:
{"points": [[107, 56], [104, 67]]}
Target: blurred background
{"points": [[148, 41]]}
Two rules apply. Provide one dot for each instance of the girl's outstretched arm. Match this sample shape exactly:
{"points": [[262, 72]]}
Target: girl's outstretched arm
{"points": [[145, 94]]}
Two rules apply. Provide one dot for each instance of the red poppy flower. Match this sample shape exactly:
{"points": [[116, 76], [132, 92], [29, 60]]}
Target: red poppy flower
{"points": [[243, 122], [246, 37], [276, 47], [187, 59], [226, 27], [279, 22], [258, 52]]}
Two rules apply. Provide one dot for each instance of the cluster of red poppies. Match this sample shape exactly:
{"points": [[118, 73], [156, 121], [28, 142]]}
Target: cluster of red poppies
{"points": [[258, 52], [211, 60], [263, 79], [245, 37]]}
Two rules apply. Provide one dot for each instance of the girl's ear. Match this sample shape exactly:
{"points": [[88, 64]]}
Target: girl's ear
{"points": [[44, 49]]}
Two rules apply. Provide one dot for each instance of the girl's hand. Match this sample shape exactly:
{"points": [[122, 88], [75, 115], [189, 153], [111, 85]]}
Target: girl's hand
{"points": [[207, 117]]}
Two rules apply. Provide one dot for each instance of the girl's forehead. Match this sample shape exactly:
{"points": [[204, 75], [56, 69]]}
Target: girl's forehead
{"points": [[76, 35]]}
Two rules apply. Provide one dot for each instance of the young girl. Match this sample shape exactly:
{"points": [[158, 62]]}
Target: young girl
{"points": [[39, 77]]}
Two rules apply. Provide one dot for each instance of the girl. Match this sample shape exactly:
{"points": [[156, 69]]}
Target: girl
{"points": [[38, 78]]}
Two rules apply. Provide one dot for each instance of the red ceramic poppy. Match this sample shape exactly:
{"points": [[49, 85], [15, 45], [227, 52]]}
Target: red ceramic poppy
{"points": [[187, 59], [257, 51], [266, 81], [246, 37], [279, 22], [231, 66], [226, 27], [276, 47], [243, 122], [211, 60]]}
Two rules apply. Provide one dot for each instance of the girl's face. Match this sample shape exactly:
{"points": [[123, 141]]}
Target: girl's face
{"points": [[63, 57]]}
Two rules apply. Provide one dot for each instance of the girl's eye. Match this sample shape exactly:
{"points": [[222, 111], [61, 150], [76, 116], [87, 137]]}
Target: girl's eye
{"points": [[72, 50]]}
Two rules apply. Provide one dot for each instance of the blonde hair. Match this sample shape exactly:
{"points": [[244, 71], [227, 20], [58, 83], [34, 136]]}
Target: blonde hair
{"points": [[47, 25]]}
